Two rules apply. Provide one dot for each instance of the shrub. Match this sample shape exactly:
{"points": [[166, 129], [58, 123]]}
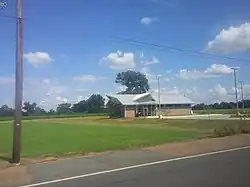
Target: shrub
{"points": [[228, 130]]}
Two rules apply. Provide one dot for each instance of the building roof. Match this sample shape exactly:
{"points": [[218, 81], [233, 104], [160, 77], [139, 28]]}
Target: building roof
{"points": [[165, 98]]}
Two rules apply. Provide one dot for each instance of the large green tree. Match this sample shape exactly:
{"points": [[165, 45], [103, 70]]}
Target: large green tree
{"points": [[95, 103], [29, 107], [64, 108], [136, 82], [81, 106], [6, 111]]}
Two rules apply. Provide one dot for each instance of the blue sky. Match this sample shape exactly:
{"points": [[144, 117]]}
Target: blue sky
{"points": [[70, 52]]}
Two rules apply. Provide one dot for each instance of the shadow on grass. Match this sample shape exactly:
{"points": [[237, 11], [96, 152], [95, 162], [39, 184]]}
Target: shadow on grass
{"points": [[4, 158]]}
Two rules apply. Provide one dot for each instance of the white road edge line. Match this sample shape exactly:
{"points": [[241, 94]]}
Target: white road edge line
{"points": [[135, 166]]}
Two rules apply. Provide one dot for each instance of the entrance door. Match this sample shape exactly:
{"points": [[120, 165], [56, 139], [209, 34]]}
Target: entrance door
{"points": [[145, 111]]}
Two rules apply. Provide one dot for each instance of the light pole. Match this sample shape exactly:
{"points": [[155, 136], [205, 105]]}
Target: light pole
{"points": [[159, 96], [235, 86], [242, 94], [19, 87]]}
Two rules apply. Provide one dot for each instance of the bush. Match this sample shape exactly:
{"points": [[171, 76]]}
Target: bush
{"points": [[229, 130]]}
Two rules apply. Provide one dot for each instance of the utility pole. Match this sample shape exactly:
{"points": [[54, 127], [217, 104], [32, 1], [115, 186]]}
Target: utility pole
{"points": [[159, 96], [242, 94], [19, 86], [235, 86]]}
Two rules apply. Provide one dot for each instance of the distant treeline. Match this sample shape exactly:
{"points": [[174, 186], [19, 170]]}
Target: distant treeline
{"points": [[94, 104], [222, 105]]}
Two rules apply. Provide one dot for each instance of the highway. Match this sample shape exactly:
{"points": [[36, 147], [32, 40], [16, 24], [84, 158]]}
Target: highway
{"points": [[225, 169]]}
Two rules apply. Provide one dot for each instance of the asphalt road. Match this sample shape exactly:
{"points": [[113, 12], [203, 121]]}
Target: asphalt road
{"points": [[228, 169]]}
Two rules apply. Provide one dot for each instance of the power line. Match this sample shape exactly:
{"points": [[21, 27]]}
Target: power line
{"points": [[8, 17], [177, 49]]}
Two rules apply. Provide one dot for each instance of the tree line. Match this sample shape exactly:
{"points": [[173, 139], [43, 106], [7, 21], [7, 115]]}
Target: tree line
{"points": [[222, 105], [94, 104]]}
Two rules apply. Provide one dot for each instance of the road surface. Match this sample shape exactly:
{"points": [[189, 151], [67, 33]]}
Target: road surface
{"points": [[225, 169]]}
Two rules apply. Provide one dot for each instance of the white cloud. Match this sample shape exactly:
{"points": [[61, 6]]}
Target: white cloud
{"points": [[215, 70], [233, 39], [220, 94], [150, 62], [168, 90], [219, 91], [46, 81], [88, 78], [7, 80], [168, 3], [3, 4], [82, 90], [142, 55], [119, 60], [167, 79], [37, 58], [150, 76], [169, 71], [80, 98], [148, 20], [246, 91], [61, 99], [218, 69], [48, 94]]}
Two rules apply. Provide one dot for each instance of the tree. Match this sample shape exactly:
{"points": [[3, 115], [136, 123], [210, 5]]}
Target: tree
{"points": [[95, 103], [6, 111], [115, 109], [51, 112], [64, 108], [29, 107], [39, 111], [135, 82], [81, 106]]}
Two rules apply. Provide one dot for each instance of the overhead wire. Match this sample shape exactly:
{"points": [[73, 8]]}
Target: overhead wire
{"points": [[177, 49]]}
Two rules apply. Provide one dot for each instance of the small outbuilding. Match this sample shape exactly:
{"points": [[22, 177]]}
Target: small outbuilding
{"points": [[147, 104]]}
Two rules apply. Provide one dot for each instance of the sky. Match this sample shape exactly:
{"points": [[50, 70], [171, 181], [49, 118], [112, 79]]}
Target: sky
{"points": [[71, 48]]}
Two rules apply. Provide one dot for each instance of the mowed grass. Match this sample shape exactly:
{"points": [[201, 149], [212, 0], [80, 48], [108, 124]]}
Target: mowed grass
{"points": [[60, 137]]}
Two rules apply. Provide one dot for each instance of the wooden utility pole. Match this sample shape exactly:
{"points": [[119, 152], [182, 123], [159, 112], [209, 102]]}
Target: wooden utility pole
{"points": [[19, 86]]}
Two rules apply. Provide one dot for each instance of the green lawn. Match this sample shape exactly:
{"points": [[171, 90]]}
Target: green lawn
{"points": [[70, 136]]}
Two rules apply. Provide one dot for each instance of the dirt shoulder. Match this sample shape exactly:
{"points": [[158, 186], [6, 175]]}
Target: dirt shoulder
{"points": [[202, 146], [14, 176]]}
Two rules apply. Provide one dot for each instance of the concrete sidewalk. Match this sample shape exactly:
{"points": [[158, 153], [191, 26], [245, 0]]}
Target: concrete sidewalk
{"points": [[34, 173]]}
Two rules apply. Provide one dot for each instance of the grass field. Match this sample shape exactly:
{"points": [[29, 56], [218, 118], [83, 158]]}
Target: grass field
{"points": [[56, 137], [73, 115], [220, 111]]}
